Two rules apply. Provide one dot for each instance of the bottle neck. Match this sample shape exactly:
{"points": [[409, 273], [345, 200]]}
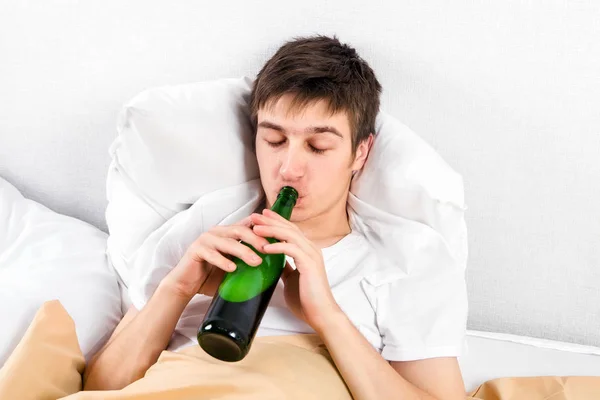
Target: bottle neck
{"points": [[284, 205]]}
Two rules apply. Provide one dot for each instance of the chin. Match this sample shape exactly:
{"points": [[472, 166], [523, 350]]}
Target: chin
{"points": [[298, 215]]}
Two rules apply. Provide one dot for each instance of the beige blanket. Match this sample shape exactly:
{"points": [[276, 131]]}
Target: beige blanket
{"points": [[47, 364], [293, 367]]}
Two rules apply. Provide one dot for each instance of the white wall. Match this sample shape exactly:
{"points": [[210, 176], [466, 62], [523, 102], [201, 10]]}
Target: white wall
{"points": [[508, 92]]}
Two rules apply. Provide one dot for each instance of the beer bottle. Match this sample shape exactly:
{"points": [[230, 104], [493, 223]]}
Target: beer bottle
{"points": [[241, 300]]}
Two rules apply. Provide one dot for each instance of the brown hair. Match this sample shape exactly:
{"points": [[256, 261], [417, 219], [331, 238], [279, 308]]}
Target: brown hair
{"points": [[321, 68]]}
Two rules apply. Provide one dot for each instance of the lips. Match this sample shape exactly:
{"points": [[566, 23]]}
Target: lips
{"points": [[299, 201], [300, 192]]}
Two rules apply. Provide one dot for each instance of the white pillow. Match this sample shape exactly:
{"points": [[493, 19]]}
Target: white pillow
{"points": [[45, 255], [172, 139], [178, 143]]}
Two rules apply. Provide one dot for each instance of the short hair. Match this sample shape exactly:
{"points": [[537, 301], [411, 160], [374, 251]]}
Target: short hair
{"points": [[320, 68]]}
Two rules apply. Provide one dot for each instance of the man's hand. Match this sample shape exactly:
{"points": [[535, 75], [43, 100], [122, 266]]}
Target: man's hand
{"points": [[144, 334], [205, 262], [307, 291]]}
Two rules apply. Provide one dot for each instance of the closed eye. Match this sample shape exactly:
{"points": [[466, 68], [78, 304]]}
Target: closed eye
{"points": [[315, 150], [275, 144], [281, 142]]}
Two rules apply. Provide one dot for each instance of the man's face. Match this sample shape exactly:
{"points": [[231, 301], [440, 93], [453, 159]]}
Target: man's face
{"points": [[309, 150]]}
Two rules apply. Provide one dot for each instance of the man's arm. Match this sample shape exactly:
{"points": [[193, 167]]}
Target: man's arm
{"points": [[142, 335], [136, 343], [369, 376]]}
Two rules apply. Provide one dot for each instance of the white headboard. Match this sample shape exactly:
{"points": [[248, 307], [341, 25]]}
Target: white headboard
{"points": [[507, 92]]}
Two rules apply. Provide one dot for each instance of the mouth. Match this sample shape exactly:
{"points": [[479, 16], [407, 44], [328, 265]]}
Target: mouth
{"points": [[300, 192]]}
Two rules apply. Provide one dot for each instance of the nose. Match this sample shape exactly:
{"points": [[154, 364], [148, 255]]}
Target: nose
{"points": [[293, 164]]}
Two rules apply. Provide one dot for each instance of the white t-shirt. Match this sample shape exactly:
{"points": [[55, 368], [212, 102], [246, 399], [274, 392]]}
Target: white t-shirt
{"points": [[388, 315]]}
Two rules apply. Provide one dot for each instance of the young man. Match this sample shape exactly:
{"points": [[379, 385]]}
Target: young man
{"points": [[314, 106]]}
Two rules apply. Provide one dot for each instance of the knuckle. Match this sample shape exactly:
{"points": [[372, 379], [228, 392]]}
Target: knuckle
{"points": [[249, 253], [210, 232], [196, 252], [203, 249], [236, 231], [245, 222], [211, 253], [216, 258], [200, 239]]}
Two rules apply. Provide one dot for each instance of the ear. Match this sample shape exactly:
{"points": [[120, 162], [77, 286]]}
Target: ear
{"points": [[362, 152]]}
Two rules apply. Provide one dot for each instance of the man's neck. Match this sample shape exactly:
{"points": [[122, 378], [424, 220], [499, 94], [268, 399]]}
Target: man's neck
{"points": [[328, 228]]}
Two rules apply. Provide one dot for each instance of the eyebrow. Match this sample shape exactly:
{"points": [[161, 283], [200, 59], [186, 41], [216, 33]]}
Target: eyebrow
{"points": [[310, 129]]}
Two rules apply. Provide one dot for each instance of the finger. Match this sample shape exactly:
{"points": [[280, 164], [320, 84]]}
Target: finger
{"points": [[273, 215], [277, 232], [240, 232], [234, 248], [284, 234], [261, 219], [300, 257], [215, 258]]}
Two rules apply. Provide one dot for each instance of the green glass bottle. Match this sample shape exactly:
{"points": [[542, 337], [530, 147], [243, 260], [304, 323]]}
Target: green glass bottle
{"points": [[237, 308]]}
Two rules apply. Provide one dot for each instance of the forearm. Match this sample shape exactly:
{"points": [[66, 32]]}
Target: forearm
{"points": [[137, 346], [366, 373]]}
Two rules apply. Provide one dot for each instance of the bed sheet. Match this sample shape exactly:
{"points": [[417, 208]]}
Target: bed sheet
{"points": [[494, 355]]}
